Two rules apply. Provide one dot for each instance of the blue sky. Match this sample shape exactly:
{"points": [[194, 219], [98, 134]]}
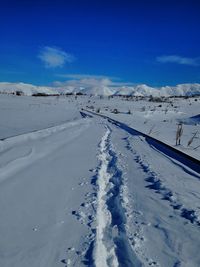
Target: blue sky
{"points": [[152, 42]]}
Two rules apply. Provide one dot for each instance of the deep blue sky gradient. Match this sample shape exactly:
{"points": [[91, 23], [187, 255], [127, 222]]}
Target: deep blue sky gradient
{"points": [[111, 38]]}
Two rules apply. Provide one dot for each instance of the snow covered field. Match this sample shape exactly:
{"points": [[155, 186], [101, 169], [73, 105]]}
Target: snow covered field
{"points": [[77, 190], [158, 119]]}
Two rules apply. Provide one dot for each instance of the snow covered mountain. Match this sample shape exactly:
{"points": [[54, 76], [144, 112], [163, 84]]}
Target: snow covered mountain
{"points": [[102, 88], [145, 90], [138, 90], [181, 89], [26, 89]]}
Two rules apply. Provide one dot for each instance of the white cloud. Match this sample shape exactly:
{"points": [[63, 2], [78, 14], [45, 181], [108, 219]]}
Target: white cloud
{"points": [[179, 60], [85, 76], [54, 57], [91, 81], [86, 82]]}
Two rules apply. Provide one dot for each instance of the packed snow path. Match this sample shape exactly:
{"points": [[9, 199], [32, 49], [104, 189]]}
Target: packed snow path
{"points": [[112, 247], [104, 253], [88, 193]]}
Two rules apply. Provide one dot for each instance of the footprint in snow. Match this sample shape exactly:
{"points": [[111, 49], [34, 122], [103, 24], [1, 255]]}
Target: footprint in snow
{"points": [[66, 262], [80, 216], [83, 183]]}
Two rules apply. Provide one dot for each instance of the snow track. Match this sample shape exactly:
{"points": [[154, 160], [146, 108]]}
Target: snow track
{"points": [[112, 246], [160, 185], [104, 253]]}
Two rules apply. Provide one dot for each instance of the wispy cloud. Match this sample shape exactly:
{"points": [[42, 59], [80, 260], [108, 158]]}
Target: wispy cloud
{"points": [[179, 60], [88, 80], [91, 83], [83, 82], [86, 76], [54, 57]]}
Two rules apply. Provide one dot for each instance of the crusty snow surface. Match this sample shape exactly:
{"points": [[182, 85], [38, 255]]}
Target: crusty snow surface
{"points": [[78, 190]]}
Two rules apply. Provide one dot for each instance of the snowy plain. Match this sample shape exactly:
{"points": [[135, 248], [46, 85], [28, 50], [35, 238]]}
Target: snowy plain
{"points": [[157, 119], [76, 190]]}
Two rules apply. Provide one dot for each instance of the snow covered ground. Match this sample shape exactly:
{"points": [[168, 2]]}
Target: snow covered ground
{"points": [[77, 190], [24, 114], [158, 119]]}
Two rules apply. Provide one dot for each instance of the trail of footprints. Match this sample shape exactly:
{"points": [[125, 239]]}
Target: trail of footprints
{"points": [[156, 184], [86, 213]]}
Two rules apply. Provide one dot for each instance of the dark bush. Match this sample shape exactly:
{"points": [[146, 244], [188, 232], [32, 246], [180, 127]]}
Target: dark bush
{"points": [[40, 94], [19, 93]]}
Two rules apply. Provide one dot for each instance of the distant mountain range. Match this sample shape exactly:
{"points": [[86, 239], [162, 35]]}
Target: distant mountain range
{"points": [[105, 90], [25, 88]]}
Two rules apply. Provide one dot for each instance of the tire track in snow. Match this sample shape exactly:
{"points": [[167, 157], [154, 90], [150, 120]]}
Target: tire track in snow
{"points": [[112, 247]]}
